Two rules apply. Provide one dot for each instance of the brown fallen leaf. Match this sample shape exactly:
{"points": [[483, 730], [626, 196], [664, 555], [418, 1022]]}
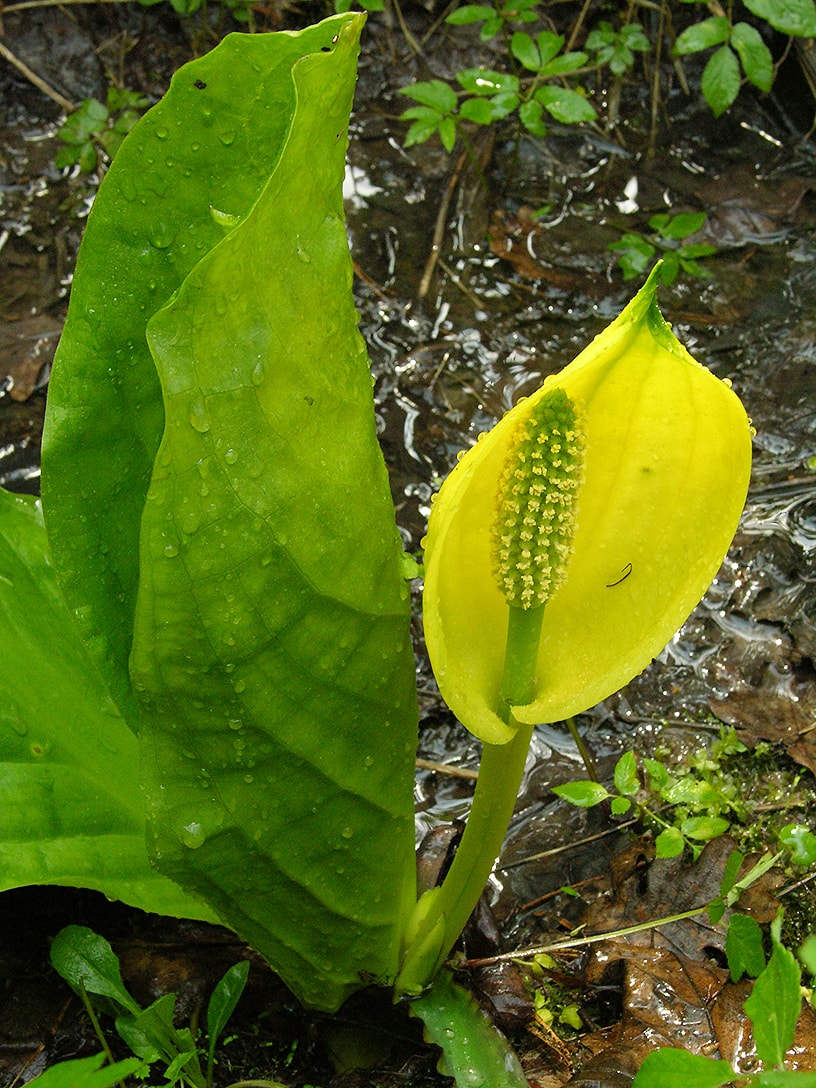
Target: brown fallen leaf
{"points": [[744, 209], [646, 889], [521, 240], [26, 346]]}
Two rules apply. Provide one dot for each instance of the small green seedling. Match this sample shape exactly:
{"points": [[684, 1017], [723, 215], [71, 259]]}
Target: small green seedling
{"points": [[637, 252], [89, 965], [686, 809], [617, 48], [99, 127], [699, 811]]}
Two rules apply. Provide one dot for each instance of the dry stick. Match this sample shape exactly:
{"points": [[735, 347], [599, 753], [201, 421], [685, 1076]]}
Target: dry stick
{"points": [[798, 884], [440, 19], [446, 768], [560, 891], [578, 942], [457, 282], [656, 79], [32, 77], [570, 845], [439, 229], [579, 22], [406, 33]]}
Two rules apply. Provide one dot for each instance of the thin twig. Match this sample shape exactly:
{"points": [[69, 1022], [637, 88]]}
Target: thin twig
{"points": [[406, 33], [446, 768], [570, 845], [579, 22], [798, 884], [38, 82], [578, 942], [560, 891], [439, 229], [457, 282]]}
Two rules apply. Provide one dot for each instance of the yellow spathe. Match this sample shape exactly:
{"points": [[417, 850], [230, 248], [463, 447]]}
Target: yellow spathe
{"points": [[667, 464]]}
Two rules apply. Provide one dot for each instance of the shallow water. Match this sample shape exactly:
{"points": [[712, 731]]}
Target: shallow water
{"points": [[448, 364]]}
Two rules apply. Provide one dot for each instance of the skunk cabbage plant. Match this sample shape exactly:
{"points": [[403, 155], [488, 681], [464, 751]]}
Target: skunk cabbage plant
{"points": [[208, 697]]}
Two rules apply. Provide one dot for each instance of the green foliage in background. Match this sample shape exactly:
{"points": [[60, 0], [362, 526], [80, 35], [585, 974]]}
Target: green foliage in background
{"points": [[636, 252], [537, 81], [98, 127]]}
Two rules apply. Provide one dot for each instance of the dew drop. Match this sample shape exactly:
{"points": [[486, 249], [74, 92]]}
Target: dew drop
{"points": [[198, 417], [347, 832], [161, 133], [190, 522], [235, 723], [161, 235], [170, 550], [192, 835], [226, 137], [230, 457], [257, 373]]}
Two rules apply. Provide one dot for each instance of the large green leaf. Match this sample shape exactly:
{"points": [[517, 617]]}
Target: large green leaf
{"points": [[195, 162], [271, 645], [70, 807]]}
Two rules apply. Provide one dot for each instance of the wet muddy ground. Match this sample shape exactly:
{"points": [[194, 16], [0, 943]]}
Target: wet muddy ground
{"points": [[453, 344]]}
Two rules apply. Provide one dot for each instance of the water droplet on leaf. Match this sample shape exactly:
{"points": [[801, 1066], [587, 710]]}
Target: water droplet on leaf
{"points": [[198, 417], [192, 835]]}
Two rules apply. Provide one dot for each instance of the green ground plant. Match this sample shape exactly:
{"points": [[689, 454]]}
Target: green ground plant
{"points": [[740, 52], [89, 965], [99, 128], [687, 807], [539, 80], [637, 252]]}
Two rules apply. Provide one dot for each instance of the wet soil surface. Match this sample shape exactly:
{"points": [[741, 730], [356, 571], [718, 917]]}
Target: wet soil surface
{"points": [[511, 298]]}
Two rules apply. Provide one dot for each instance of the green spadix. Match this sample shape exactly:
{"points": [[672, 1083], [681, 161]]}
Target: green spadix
{"points": [[637, 460]]}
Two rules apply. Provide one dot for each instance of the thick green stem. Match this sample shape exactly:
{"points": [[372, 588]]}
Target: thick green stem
{"points": [[442, 916]]}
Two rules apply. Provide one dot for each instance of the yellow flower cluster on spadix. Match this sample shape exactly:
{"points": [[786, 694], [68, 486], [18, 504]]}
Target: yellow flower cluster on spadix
{"points": [[608, 500]]}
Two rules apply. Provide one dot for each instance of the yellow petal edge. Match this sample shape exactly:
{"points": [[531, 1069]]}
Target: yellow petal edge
{"points": [[667, 465]]}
